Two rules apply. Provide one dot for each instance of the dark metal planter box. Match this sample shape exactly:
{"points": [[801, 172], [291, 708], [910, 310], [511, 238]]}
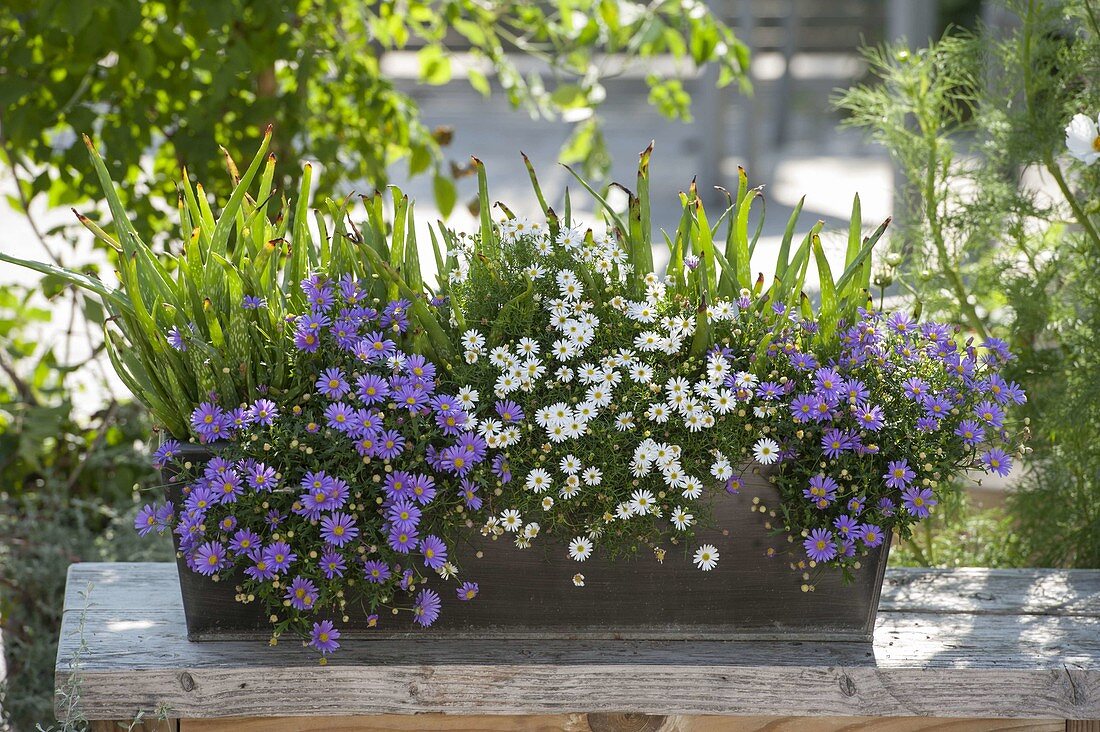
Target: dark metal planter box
{"points": [[529, 593]]}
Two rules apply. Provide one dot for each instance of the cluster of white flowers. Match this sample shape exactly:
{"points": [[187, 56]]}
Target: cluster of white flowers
{"points": [[572, 316]]}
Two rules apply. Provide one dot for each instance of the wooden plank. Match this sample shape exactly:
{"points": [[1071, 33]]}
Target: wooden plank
{"points": [[939, 664], [967, 590], [615, 723]]}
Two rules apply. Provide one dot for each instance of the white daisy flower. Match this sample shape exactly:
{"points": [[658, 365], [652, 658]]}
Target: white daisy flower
{"points": [[528, 347], [681, 519], [570, 489], [721, 469], [531, 530], [589, 373], [578, 579], [745, 380], [511, 520], [472, 340], [470, 356], [658, 413], [592, 476], [535, 271], [692, 487], [624, 421], [706, 557], [1083, 138], [766, 451], [641, 374], [723, 401], [648, 340], [599, 395], [580, 549], [623, 512], [564, 374], [570, 465], [538, 481], [641, 502], [468, 396], [564, 349], [547, 503]]}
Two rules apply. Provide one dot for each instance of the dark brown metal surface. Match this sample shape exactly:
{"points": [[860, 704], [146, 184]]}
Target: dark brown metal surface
{"points": [[529, 593]]}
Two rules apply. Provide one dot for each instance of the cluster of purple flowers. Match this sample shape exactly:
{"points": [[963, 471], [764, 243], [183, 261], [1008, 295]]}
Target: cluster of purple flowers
{"points": [[951, 403], [369, 398]]}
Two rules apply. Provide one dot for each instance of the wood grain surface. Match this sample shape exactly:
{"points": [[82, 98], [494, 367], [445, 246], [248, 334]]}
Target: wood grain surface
{"points": [[947, 644]]}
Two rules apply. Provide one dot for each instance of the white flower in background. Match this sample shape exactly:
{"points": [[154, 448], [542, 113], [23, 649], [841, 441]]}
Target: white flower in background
{"points": [[624, 421], [592, 476], [535, 271], [693, 488], [570, 465], [658, 413], [706, 557], [766, 451], [531, 530], [472, 340], [578, 579], [681, 519], [580, 549], [721, 469], [641, 374], [468, 396], [1083, 138], [623, 512], [547, 503], [641, 502], [511, 520], [538, 481], [528, 346], [570, 489]]}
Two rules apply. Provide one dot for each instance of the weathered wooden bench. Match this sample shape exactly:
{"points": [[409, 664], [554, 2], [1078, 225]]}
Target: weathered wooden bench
{"points": [[966, 649]]}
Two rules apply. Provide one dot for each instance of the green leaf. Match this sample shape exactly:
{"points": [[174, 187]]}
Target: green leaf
{"points": [[435, 65], [445, 194]]}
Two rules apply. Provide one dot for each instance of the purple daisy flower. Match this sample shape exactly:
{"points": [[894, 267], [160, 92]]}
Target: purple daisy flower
{"points": [[377, 347], [306, 340], [246, 542], [209, 558], [208, 419], [372, 389], [452, 422], [869, 417], [997, 461], [820, 546], [426, 609], [509, 411], [398, 485], [802, 407], [279, 556], [332, 564], [918, 501], [146, 520], [871, 535], [346, 333], [847, 527], [324, 637], [167, 452], [302, 594], [990, 413], [261, 571], [338, 529], [391, 443], [434, 551], [331, 383], [411, 397], [404, 515], [423, 488], [376, 572], [252, 302], [176, 340], [935, 405], [898, 475], [227, 524], [339, 416], [971, 432], [915, 388], [468, 492], [199, 500], [403, 541], [262, 478], [228, 487], [263, 412], [834, 442], [822, 490], [502, 468], [886, 506], [828, 382], [468, 591], [419, 367], [855, 505]]}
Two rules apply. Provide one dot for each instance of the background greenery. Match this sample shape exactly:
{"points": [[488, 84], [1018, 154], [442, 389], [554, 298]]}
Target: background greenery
{"points": [[998, 230]]}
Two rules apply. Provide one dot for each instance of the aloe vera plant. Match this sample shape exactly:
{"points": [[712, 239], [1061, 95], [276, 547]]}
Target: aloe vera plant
{"points": [[212, 314]]}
